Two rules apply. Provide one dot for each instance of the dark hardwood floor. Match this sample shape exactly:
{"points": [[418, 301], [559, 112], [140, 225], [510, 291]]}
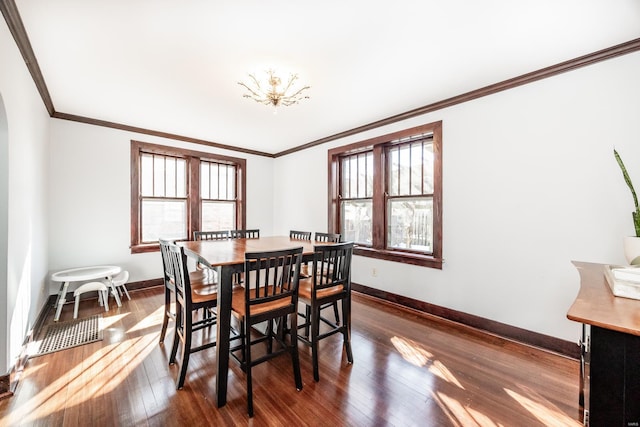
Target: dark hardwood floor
{"points": [[409, 369]]}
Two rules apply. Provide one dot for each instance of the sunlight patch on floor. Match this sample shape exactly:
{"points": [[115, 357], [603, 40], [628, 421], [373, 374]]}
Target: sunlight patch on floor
{"points": [[461, 415], [411, 352], [417, 355], [542, 409], [153, 319], [84, 382]]}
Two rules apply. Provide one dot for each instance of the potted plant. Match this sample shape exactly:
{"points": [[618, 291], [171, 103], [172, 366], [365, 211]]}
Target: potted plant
{"points": [[631, 243]]}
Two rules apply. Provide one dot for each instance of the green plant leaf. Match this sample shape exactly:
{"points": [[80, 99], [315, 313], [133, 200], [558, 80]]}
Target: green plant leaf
{"points": [[627, 179]]}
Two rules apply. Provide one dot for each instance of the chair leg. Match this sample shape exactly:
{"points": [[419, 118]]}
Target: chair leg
{"points": [[247, 358], [335, 312], [315, 331], [167, 308], [295, 358], [75, 307], [186, 351], [126, 292], [105, 299], [307, 320], [176, 335], [346, 328]]}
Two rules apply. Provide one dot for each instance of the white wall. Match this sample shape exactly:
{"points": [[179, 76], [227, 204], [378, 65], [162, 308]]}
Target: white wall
{"points": [[90, 193], [530, 183], [23, 223]]}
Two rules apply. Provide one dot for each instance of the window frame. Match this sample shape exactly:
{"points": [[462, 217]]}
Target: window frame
{"points": [[194, 199], [379, 233]]}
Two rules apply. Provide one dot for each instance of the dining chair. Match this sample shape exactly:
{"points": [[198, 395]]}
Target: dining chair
{"points": [[244, 234], [270, 295], [330, 283], [335, 238], [300, 235], [211, 235], [188, 301], [198, 279], [327, 237]]}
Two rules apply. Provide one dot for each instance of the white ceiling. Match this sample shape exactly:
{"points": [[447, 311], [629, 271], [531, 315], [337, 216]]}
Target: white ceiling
{"points": [[173, 66]]}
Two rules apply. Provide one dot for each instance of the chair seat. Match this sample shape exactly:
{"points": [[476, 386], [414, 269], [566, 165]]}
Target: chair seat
{"points": [[204, 293], [304, 290], [202, 277], [88, 287], [237, 303]]}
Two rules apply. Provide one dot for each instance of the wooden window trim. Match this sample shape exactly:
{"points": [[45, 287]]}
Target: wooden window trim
{"points": [[193, 188], [378, 249]]}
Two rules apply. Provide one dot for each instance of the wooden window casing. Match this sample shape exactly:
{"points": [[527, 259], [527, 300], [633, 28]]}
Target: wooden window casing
{"points": [[381, 147], [194, 198]]}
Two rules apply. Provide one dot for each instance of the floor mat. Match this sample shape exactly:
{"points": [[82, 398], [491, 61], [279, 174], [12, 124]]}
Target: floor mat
{"points": [[63, 335]]}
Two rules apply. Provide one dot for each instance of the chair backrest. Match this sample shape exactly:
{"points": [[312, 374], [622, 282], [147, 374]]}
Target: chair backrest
{"points": [[178, 261], [211, 235], [244, 234], [166, 263], [332, 267], [300, 235], [271, 283], [327, 237]]}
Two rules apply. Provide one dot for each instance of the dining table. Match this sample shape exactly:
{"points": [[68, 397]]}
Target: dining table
{"points": [[227, 258]]}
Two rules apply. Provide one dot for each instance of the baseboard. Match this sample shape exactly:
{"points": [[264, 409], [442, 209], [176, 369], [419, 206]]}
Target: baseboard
{"points": [[546, 342]]}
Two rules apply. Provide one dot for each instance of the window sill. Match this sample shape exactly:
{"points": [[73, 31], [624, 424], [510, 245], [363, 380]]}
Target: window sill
{"points": [[144, 248], [398, 256]]}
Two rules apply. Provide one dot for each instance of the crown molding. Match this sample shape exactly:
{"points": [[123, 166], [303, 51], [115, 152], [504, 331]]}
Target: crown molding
{"points": [[543, 73]]}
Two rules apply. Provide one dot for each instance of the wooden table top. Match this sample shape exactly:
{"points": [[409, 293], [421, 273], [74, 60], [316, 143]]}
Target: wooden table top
{"points": [[596, 305], [228, 252]]}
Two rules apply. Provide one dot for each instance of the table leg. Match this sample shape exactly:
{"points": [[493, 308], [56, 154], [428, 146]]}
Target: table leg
{"points": [[62, 294], [225, 276]]}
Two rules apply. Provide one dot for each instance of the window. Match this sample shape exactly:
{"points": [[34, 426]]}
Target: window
{"points": [[386, 195], [175, 192]]}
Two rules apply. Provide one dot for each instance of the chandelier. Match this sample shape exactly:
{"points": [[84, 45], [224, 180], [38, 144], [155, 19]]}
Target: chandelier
{"points": [[271, 91]]}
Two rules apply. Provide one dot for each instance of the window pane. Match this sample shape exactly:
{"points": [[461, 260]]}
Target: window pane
{"points": [[405, 170], [146, 175], [204, 180], [218, 215], [158, 176], [163, 218], [231, 182], [416, 168], [357, 221], [353, 176], [345, 173], [170, 174], [394, 171], [222, 185], [410, 224], [214, 181], [362, 175], [428, 168], [181, 178], [369, 175]]}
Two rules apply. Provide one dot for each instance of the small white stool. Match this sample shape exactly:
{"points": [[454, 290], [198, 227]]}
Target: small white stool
{"points": [[103, 295], [119, 282]]}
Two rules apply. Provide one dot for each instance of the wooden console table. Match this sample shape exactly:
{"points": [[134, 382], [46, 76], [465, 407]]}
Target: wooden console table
{"points": [[610, 356]]}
